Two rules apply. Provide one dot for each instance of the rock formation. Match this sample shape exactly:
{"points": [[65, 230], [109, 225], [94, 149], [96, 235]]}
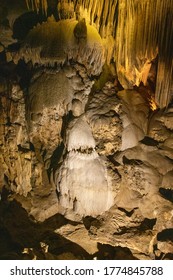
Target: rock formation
{"points": [[86, 129]]}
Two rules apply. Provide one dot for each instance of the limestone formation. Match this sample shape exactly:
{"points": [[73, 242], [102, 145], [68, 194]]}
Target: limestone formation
{"points": [[86, 129], [77, 184], [80, 31]]}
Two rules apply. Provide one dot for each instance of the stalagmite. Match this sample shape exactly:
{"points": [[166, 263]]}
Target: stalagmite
{"points": [[80, 192]]}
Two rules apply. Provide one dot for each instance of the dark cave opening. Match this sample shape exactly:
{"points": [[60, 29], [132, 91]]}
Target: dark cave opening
{"points": [[165, 235], [167, 193]]}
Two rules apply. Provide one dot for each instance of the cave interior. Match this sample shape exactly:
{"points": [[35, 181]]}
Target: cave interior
{"points": [[86, 129]]}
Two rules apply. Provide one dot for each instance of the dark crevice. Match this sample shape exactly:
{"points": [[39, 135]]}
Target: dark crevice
{"points": [[60, 152], [148, 141], [115, 20], [83, 150], [23, 149], [166, 193], [66, 119], [108, 252], [56, 159], [25, 72], [131, 161], [146, 224], [165, 235], [168, 256], [24, 23], [14, 237], [115, 163], [128, 213], [169, 158], [31, 146], [89, 221]]}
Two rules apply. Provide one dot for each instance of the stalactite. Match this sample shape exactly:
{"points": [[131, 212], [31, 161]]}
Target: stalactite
{"points": [[37, 5], [145, 30], [40, 46], [164, 83], [44, 6], [132, 42], [100, 12], [27, 4], [142, 30]]}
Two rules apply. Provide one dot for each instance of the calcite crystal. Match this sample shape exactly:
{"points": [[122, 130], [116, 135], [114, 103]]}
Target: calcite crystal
{"points": [[77, 184]]}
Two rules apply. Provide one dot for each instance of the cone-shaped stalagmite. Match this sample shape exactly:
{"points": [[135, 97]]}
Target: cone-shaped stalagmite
{"points": [[80, 30]]}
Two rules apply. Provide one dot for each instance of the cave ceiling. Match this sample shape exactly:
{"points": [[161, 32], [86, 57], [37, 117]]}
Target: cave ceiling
{"points": [[86, 129]]}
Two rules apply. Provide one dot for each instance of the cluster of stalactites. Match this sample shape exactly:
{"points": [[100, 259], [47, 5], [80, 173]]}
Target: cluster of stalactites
{"points": [[145, 30], [37, 5], [164, 85], [41, 48], [100, 13]]}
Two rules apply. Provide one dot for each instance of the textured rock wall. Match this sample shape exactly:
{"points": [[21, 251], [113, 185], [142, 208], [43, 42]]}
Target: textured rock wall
{"points": [[137, 178]]}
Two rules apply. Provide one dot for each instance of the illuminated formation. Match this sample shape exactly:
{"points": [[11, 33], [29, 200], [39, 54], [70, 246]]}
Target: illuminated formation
{"points": [[76, 182], [86, 129], [37, 5], [142, 31]]}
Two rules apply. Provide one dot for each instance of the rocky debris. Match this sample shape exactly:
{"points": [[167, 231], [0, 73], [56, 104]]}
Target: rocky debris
{"points": [[136, 180], [39, 241]]}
